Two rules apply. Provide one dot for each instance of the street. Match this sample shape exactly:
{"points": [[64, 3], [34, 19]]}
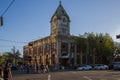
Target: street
{"points": [[71, 75]]}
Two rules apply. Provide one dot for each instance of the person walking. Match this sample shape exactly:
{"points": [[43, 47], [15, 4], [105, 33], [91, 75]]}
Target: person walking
{"points": [[42, 68], [6, 72], [27, 69], [1, 72]]}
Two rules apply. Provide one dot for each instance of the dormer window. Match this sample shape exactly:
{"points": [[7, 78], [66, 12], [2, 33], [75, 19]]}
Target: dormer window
{"points": [[63, 12]]}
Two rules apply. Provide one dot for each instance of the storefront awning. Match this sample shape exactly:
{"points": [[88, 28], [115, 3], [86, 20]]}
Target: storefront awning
{"points": [[65, 55]]}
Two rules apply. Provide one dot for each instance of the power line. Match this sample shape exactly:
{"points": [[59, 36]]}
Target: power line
{"points": [[12, 41], [8, 7], [10, 46]]}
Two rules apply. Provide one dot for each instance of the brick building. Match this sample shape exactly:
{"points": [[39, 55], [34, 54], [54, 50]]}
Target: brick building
{"points": [[56, 49]]}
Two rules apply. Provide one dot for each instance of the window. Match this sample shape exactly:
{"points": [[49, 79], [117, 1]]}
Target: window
{"points": [[47, 46], [41, 48], [53, 45], [62, 11], [78, 59], [63, 30], [40, 59], [47, 61], [64, 20]]}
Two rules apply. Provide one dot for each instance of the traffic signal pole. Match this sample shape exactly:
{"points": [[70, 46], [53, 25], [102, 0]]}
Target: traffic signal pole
{"points": [[1, 21]]}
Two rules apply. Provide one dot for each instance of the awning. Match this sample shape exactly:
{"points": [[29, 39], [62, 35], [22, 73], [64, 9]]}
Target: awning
{"points": [[66, 55]]}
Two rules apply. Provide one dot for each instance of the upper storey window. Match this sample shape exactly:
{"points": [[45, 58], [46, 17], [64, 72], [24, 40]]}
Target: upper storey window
{"points": [[62, 11], [64, 30], [64, 20]]}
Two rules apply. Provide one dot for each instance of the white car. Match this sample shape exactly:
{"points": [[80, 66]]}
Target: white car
{"points": [[101, 67], [85, 67]]}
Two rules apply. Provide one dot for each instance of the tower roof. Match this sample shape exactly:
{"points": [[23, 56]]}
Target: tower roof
{"points": [[60, 11]]}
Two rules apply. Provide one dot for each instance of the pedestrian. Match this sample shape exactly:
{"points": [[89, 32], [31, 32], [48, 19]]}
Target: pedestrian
{"points": [[42, 68], [6, 71], [37, 68], [27, 69], [47, 68], [1, 72]]}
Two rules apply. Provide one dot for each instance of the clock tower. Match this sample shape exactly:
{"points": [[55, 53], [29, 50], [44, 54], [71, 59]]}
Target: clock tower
{"points": [[60, 22], [60, 34]]}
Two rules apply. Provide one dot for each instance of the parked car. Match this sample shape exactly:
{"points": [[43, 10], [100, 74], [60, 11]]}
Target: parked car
{"points": [[101, 67], [112, 65], [117, 67], [85, 67]]}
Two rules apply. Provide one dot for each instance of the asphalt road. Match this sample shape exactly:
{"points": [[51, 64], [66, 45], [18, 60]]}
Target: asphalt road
{"points": [[70, 75]]}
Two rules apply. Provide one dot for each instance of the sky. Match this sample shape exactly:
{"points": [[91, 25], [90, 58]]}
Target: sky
{"points": [[29, 20]]}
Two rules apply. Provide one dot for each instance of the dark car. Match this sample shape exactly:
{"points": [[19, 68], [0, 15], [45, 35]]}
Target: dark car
{"points": [[101, 67], [85, 67], [112, 66], [117, 67]]}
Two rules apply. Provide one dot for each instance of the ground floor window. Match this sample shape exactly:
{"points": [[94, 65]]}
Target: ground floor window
{"points": [[78, 59]]}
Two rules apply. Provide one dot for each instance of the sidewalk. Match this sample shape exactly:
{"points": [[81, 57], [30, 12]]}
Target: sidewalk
{"points": [[40, 76]]}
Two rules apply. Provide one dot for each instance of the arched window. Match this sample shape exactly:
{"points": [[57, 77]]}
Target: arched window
{"points": [[78, 59], [47, 61], [53, 59]]}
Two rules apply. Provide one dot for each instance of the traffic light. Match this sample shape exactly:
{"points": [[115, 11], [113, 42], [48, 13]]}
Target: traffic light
{"points": [[101, 40], [117, 36], [1, 20]]}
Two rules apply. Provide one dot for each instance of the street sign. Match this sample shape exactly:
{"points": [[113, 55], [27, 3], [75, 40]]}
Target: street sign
{"points": [[117, 36], [1, 20]]}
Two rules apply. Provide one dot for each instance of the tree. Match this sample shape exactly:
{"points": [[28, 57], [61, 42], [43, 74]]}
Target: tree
{"points": [[3, 58], [16, 54], [117, 52], [11, 57], [97, 48], [92, 44], [81, 47]]}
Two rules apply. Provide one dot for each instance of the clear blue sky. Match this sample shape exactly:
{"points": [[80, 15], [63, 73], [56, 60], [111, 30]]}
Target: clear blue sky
{"points": [[28, 20]]}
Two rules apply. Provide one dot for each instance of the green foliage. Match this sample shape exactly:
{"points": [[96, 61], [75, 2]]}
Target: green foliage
{"points": [[12, 57], [99, 46]]}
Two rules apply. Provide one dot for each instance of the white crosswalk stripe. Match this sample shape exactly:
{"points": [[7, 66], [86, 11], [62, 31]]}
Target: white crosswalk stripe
{"points": [[87, 78]]}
